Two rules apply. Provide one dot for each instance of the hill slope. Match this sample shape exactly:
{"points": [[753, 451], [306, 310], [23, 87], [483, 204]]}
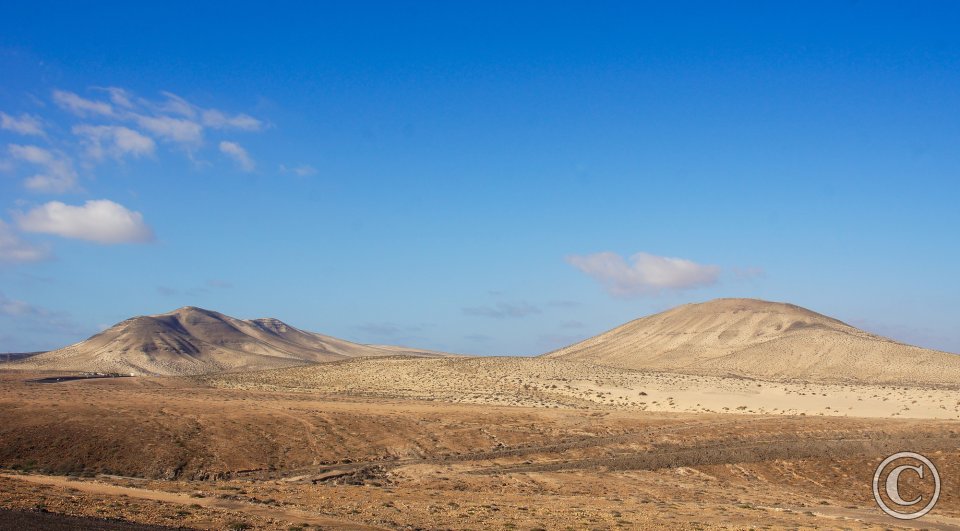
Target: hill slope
{"points": [[196, 341], [760, 339]]}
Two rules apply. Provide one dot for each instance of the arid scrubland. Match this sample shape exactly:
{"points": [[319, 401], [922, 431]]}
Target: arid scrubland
{"points": [[372, 437]]}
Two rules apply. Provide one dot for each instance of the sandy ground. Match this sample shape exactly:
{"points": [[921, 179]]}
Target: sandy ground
{"points": [[538, 382], [182, 453]]}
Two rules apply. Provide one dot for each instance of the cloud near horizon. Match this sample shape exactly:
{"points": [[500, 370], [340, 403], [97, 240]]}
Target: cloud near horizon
{"points": [[10, 306], [644, 274], [101, 221], [56, 326], [503, 310]]}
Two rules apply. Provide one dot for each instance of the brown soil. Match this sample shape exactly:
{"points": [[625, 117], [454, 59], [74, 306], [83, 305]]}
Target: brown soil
{"points": [[177, 452]]}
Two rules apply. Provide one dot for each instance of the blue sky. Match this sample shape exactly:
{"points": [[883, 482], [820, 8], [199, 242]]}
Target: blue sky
{"points": [[486, 178]]}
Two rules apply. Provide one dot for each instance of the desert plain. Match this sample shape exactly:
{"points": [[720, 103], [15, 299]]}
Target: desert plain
{"points": [[420, 440]]}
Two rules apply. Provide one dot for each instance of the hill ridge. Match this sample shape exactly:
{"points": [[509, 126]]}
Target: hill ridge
{"points": [[192, 340]]}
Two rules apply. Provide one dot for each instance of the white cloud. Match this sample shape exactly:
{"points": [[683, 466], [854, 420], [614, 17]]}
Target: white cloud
{"points": [[123, 126], [100, 221], [212, 118], [15, 250], [169, 128], [303, 170], [218, 120], [81, 106], [24, 125], [238, 154], [177, 105], [646, 274], [120, 97], [114, 141], [57, 175]]}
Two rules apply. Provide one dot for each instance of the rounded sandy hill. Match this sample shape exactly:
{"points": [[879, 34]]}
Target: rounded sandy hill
{"points": [[765, 340]]}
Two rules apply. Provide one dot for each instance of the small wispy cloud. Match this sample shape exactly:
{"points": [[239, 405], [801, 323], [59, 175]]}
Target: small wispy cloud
{"points": [[57, 174], [24, 125], [303, 170], [477, 338], [119, 97], [173, 129], [54, 325], [10, 306], [644, 274], [13, 250], [175, 105], [238, 154], [503, 310], [101, 221], [391, 333], [167, 291], [212, 118], [114, 141], [220, 120], [81, 106]]}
